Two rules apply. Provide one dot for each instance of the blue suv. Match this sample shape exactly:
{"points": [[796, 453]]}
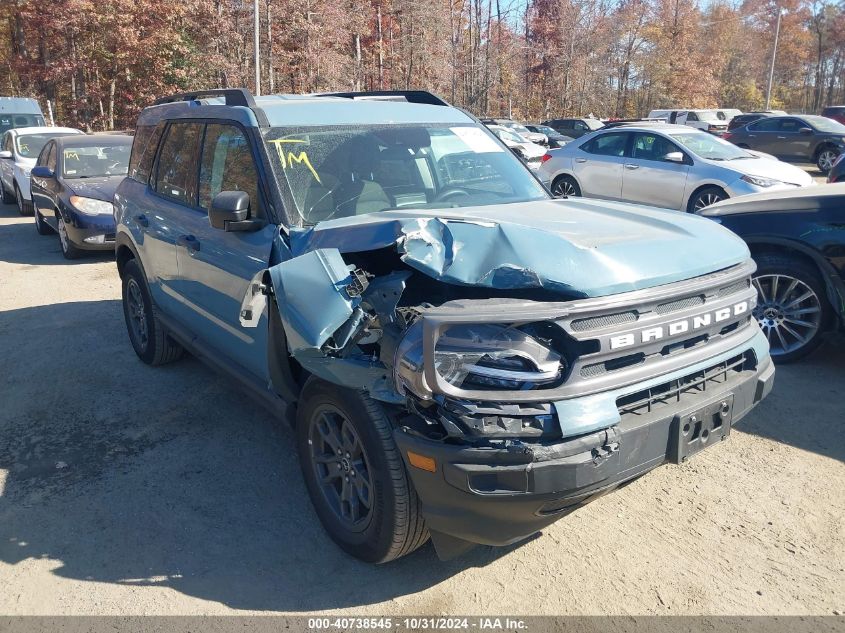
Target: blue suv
{"points": [[464, 356]]}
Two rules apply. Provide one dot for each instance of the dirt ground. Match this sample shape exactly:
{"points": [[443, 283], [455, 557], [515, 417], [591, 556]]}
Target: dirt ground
{"points": [[126, 489]]}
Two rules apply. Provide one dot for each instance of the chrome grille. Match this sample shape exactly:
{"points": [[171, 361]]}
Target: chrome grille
{"points": [[605, 320], [680, 304]]}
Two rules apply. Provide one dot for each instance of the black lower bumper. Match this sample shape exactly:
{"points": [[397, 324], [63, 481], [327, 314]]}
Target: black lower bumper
{"points": [[81, 236], [497, 496]]}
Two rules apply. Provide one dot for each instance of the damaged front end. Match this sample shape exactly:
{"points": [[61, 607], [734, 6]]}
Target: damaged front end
{"points": [[523, 392]]}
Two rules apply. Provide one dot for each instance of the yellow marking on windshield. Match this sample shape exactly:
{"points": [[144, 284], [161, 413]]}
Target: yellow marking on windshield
{"points": [[24, 147], [301, 158], [69, 154]]}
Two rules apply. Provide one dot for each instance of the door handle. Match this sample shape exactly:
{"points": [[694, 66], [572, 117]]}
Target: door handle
{"points": [[782, 138], [142, 220], [580, 160], [188, 241], [631, 166]]}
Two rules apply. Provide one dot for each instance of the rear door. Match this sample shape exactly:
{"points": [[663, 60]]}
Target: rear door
{"points": [[761, 135], [598, 165], [648, 178], [216, 267]]}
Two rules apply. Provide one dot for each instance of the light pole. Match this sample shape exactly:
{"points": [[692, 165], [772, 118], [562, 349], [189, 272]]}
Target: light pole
{"points": [[772, 67], [255, 46]]}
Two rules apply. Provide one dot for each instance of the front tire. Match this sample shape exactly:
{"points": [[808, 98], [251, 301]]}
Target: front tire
{"points": [[792, 307], [706, 197], [69, 250], [146, 333], [825, 159], [40, 225], [21, 203], [565, 187], [355, 474]]}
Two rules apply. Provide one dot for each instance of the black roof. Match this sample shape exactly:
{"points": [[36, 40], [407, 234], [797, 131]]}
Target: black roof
{"points": [[87, 140], [813, 198]]}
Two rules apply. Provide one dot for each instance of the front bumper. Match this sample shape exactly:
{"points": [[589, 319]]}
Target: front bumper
{"points": [[91, 233], [500, 495]]}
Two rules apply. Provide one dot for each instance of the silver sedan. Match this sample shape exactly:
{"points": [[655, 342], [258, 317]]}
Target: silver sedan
{"points": [[670, 166]]}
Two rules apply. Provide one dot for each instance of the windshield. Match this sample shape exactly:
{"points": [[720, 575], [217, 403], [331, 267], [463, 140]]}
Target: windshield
{"points": [[9, 121], [91, 161], [545, 129], [594, 124], [30, 145], [335, 172], [509, 135], [518, 127], [709, 146], [710, 115], [823, 124]]}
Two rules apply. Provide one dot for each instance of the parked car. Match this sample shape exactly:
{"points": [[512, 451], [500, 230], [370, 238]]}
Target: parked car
{"points": [[730, 113], [664, 165], [744, 119], [713, 121], [463, 356], [19, 112], [837, 170], [554, 139], [73, 184], [535, 137], [20, 148], [531, 153], [837, 113], [576, 128], [810, 138], [798, 241]]}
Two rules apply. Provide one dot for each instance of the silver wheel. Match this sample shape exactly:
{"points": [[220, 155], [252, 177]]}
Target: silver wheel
{"points": [[565, 187], [137, 314], [63, 238], [826, 159], [788, 311], [706, 198]]}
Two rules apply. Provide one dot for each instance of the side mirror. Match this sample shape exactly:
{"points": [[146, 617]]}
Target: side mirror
{"points": [[674, 157], [230, 212], [805, 130], [6, 154], [41, 171]]}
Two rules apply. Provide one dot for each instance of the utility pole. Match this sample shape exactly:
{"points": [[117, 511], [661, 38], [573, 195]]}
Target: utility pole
{"points": [[772, 67], [256, 47]]}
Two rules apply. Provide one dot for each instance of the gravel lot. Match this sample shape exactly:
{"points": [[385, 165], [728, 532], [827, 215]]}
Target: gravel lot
{"points": [[131, 490]]}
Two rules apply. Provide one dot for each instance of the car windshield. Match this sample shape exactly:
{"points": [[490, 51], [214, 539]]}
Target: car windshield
{"points": [[10, 121], [709, 146], [518, 127], [508, 135], [342, 171], [30, 145], [712, 116], [823, 124], [594, 124], [90, 161], [545, 129]]}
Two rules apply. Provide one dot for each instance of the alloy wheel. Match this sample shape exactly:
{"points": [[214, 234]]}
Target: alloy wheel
{"points": [[706, 199], [788, 311], [63, 238], [826, 160], [19, 200], [563, 187], [341, 467], [137, 313]]}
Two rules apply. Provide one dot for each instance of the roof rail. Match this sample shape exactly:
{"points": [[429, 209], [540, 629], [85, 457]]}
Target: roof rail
{"points": [[233, 97], [411, 96]]}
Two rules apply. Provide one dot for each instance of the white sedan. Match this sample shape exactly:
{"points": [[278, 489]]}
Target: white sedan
{"points": [[662, 165]]}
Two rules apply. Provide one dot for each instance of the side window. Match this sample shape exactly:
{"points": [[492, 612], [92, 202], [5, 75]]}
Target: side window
{"points": [[607, 144], [227, 165], [652, 147], [791, 125], [144, 147], [51, 157], [7, 142], [765, 125], [42, 156], [580, 125], [692, 116], [177, 167]]}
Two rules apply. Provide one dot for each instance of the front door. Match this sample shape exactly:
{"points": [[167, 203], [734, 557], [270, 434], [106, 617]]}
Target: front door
{"points": [[649, 178], [216, 267], [44, 190]]}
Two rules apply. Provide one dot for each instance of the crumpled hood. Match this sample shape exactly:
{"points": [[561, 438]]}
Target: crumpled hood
{"points": [[101, 188], [578, 247], [769, 168]]}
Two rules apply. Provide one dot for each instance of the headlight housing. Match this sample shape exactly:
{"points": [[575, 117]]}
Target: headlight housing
{"points": [[91, 206], [759, 181]]}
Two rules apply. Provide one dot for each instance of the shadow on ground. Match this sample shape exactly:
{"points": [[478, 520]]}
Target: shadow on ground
{"points": [[165, 476]]}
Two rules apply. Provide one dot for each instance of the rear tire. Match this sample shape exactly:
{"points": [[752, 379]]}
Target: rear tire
{"points": [[8, 198], [792, 306], [705, 197], [146, 333], [355, 474], [566, 187]]}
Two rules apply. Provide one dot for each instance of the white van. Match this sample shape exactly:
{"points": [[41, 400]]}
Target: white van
{"points": [[713, 121]]}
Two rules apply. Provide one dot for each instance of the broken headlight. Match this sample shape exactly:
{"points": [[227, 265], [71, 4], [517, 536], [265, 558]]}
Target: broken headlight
{"points": [[494, 357]]}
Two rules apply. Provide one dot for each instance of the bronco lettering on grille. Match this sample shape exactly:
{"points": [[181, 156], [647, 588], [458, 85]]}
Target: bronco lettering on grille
{"points": [[681, 326]]}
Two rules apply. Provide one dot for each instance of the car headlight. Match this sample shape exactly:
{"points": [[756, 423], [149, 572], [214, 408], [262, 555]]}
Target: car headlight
{"points": [[90, 206], [759, 181], [488, 356]]}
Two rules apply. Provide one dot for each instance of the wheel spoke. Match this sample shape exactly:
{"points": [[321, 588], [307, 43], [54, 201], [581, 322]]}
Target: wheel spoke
{"points": [[328, 432], [800, 299], [789, 290], [799, 322], [362, 489], [795, 335], [782, 340], [774, 288], [760, 292]]}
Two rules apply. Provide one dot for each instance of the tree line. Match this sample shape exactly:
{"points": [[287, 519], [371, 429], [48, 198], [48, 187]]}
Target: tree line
{"points": [[99, 62]]}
